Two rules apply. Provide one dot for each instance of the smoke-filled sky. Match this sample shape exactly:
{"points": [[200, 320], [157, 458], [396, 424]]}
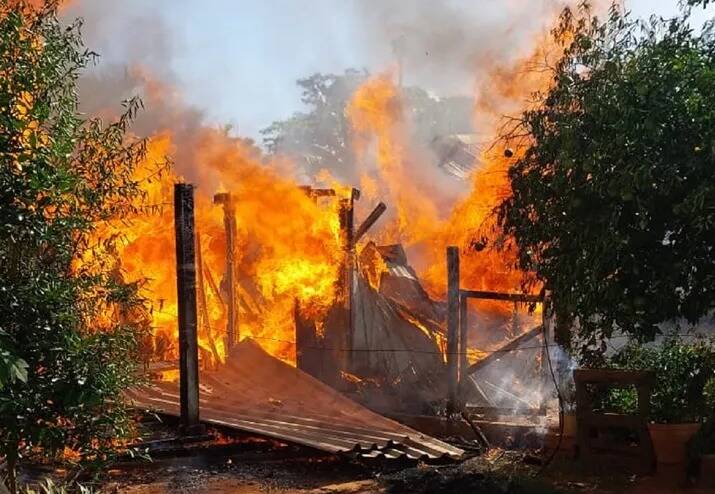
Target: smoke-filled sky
{"points": [[237, 61]]}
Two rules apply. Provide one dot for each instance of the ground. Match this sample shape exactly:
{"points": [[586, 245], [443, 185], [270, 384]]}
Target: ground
{"points": [[497, 472], [227, 463]]}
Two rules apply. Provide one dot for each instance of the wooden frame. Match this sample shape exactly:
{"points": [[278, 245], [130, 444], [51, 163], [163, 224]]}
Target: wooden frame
{"points": [[593, 444], [458, 367]]}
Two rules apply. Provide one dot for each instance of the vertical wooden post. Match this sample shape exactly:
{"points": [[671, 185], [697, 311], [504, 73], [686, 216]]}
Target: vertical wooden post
{"points": [[186, 293], [463, 340], [347, 226], [229, 219], [452, 327]]}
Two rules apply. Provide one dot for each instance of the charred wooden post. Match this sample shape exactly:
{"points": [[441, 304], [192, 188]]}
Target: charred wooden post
{"points": [[452, 328], [186, 292], [229, 223], [347, 226]]}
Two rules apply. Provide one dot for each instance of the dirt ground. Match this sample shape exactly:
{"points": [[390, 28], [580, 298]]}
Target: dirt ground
{"points": [[498, 472]]}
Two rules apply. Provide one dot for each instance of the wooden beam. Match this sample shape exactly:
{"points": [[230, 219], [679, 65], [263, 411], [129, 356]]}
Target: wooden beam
{"points": [[315, 193], [369, 221], [452, 328], [613, 376], [186, 295], [229, 224], [347, 227], [510, 297]]}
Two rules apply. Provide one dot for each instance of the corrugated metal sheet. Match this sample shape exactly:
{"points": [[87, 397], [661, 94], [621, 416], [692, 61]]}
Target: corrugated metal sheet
{"points": [[257, 393]]}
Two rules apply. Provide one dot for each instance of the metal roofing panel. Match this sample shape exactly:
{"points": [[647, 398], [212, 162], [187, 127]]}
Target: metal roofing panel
{"points": [[257, 393]]}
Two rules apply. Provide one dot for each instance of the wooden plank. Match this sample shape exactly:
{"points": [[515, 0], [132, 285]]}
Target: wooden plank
{"points": [[369, 221], [611, 420], [613, 376], [509, 297]]}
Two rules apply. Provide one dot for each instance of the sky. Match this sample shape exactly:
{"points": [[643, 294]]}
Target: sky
{"points": [[237, 61]]}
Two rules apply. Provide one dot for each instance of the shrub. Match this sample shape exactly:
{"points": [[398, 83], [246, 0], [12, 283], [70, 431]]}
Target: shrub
{"points": [[684, 389]]}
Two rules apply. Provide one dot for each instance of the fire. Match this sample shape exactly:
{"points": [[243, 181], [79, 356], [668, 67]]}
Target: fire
{"points": [[289, 246], [289, 249], [376, 113], [488, 261]]}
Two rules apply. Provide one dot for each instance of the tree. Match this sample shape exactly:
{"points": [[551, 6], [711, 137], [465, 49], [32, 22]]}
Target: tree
{"points": [[64, 324], [613, 192], [321, 137]]}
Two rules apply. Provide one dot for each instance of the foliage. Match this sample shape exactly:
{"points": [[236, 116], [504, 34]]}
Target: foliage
{"points": [[321, 137], [613, 192], [12, 367], [65, 313], [685, 379], [50, 487], [703, 443]]}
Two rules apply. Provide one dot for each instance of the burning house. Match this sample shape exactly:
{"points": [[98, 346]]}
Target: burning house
{"points": [[382, 341], [326, 279]]}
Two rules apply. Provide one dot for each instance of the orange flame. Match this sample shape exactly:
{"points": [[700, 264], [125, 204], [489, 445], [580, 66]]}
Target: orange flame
{"points": [[289, 246], [289, 249], [377, 116]]}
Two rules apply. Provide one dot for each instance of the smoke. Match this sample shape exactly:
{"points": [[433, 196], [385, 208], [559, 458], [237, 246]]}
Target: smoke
{"points": [[449, 46], [446, 47]]}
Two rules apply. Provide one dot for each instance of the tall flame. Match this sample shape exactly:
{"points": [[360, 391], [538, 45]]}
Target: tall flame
{"points": [[289, 249], [488, 260], [289, 246]]}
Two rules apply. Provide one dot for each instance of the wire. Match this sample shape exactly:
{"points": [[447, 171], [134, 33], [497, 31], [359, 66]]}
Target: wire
{"points": [[561, 406], [396, 350]]}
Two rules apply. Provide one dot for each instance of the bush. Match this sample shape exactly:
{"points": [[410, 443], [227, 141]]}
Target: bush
{"points": [[684, 389], [68, 345], [50, 487]]}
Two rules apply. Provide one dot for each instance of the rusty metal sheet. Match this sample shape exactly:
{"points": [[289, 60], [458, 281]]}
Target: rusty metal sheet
{"points": [[257, 393]]}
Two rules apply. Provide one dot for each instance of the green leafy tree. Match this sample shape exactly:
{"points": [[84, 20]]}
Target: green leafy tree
{"points": [[614, 188], [67, 346]]}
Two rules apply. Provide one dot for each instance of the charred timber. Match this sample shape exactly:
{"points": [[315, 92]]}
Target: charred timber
{"points": [[369, 221], [347, 227], [509, 297], [315, 193], [453, 294], [186, 295], [229, 222]]}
